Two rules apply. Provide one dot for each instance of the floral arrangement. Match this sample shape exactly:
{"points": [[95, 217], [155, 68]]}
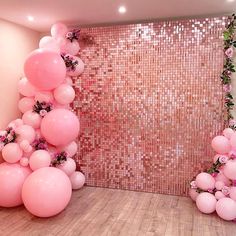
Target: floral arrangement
{"points": [[42, 108], [73, 35], [59, 159], [70, 62], [40, 144], [7, 136]]}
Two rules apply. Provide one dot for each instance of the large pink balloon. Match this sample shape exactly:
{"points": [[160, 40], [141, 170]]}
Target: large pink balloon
{"points": [[230, 169], [78, 69], [71, 149], [46, 192], [26, 88], [68, 166], [60, 127], [226, 208], [12, 177], [58, 30], [71, 48], [12, 153], [206, 202], [39, 159], [77, 180], [25, 132], [32, 118], [50, 43], [205, 181], [45, 69], [26, 104], [221, 144], [64, 94]]}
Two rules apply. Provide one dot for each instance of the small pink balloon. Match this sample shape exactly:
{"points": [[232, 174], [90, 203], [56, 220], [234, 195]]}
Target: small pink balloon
{"points": [[77, 180], [26, 104], [219, 195], [32, 118], [71, 149], [46, 192], [219, 185], [50, 43], [59, 30], [64, 94], [78, 69], [24, 161], [12, 177], [25, 132], [44, 96], [68, 166], [193, 194], [221, 177], [28, 149], [26, 88], [24, 144], [205, 181], [12, 153], [18, 122], [230, 169], [228, 133], [232, 193], [39, 159], [221, 144], [28, 154], [226, 208], [206, 202], [71, 48], [233, 140], [68, 81], [38, 133]]}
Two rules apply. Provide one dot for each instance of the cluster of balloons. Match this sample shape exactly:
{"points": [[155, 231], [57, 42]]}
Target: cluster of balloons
{"points": [[28, 176], [215, 190]]}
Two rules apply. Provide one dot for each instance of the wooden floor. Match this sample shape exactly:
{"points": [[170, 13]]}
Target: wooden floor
{"points": [[98, 211]]}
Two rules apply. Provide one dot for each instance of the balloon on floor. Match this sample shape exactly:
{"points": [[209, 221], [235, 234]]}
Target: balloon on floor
{"points": [[39, 170]]}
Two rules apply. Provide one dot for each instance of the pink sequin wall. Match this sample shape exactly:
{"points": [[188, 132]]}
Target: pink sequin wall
{"points": [[149, 101]]}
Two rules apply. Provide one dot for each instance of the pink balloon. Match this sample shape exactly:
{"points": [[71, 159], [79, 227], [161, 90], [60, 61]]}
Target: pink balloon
{"points": [[25, 132], [44, 96], [59, 30], [219, 185], [12, 177], [45, 69], [233, 140], [24, 145], [64, 94], [228, 133], [193, 194], [68, 166], [68, 81], [12, 153], [46, 192], [71, 48], [71, 149], [24, 161], [26, 104], [205, 181], [77, 180], [219, 195], [206, 202], [26, 88], [226, 208], [50, 43], [221, 144], [232, 193], [57, 105], [60, 127], [39, 159], [78, 69], [230, 169], [32, 118], [221, 177]]}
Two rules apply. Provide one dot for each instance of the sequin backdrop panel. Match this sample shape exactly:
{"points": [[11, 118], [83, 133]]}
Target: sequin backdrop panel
{"points": [[149, 101]]}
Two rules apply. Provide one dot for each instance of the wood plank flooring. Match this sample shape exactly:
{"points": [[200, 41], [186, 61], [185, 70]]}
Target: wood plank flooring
{"points": [[98, 211]]}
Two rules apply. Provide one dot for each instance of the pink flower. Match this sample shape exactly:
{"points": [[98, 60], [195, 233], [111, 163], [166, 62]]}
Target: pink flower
{"points": [[210, 190], [232, 122], [234, 183], [225, 190], [213, 174], [223, 159], [232, 154], [193, 184], [229, 52], [227, 88], [43, 113]]}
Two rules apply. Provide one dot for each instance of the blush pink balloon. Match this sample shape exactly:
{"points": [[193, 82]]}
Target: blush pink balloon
{"points": [[219, 195], [232, 193], [44, 96], [59, 30], [193, 194], [71, 48], [221, 177], [206, 202], [32, 118], [68, 81], [24, 161], [226, 208], [71, 149], [26, 88], [228, 133], [64, 94], [50, 43], [221, 144], [25, 104], [24, 145], [219, 185], [45, 69], [77, 180], [78, 69], [12, 177], [230, 169], [25, 132], [233, 140], [46, 192], [68, 166], [205, 181], [39, 159], [12, 152], [60, 127]]}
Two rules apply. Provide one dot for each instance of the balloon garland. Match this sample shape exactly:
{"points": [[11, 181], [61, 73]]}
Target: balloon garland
{"points": [[215, 189], [39, 170]]}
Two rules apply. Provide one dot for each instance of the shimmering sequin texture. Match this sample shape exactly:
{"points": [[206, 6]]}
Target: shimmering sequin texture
{"points": [[149, 101]]}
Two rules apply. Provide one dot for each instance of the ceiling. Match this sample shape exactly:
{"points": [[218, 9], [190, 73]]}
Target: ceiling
{"points": [[97, 12]]}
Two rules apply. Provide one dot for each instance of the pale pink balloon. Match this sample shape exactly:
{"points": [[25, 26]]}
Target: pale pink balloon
{"points": [[68, 81], [32, 118], [219, 185], [233, 140], [45, 69], [68, 166], [46, 192], [18, 122], [25, 132], [226, 208], [230, 169], [221, 144], [71, 48], [206, 202], [44, 96], [193, 194], [38, 133], [52, 150], [39, 159], [78, 69], [221, 177], [24, 161], [24, 144], [232, 193], [26, 104], [28, 154], [219, 195], [50, 43], [64, 94], [12, 177], [12, 152], [26, 88], [59, 30], [60, 127], [29, 149], [205, 181], [77, 180], [228, 133], [71, 149]]}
